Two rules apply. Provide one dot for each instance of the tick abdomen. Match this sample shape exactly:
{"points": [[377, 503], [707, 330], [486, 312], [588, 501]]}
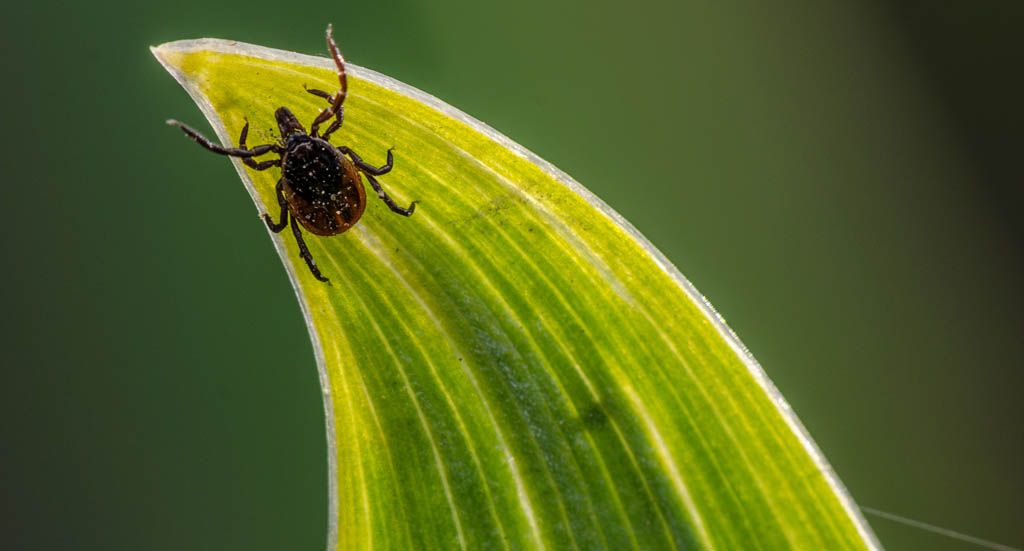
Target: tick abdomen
{"points": [[323, 187]]}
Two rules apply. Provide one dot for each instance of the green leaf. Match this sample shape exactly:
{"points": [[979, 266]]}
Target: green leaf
{"points": [[514, 366]]}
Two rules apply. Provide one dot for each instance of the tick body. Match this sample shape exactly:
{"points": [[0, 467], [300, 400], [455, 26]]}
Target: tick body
{"points": [[321, 185]]}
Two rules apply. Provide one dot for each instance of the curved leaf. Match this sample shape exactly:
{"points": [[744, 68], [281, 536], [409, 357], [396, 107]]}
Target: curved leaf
{"points": [[515, 366]]}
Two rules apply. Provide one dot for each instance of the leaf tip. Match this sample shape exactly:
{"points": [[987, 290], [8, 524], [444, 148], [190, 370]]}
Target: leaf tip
{"points": [[158, 51], [166, 54]]}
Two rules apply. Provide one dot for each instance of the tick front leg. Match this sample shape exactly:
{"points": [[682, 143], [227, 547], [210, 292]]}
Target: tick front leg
{"points": [[333, 110], [249, 162], [230, 151], [339, 112], [387, 199], [276, 228], [364, 166], [304, 252], [320, 93], [338, 118]]}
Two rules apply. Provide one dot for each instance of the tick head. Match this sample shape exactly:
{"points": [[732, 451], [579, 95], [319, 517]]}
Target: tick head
{"points": [[287, 123]]}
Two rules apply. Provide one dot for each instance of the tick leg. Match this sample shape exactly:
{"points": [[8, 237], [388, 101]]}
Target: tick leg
{"points": [[370, 171], [249, 162], [276, 228], [244, 135], [339, 60], [327, 113], [337, 99], [304, 252], [391, 204], [365, 167], [320, 93], [338, 118], [230, 151], [339, 111], [263, 165]]}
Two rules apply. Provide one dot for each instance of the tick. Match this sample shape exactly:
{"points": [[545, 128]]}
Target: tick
{"points": [[320, 185]]}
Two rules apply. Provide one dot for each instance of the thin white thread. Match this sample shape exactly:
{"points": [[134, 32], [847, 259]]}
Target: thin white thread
{"points": [[938, 530]]}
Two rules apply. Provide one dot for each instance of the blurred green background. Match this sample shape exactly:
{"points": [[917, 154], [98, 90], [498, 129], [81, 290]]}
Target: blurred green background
{"points": [[841, 180]]}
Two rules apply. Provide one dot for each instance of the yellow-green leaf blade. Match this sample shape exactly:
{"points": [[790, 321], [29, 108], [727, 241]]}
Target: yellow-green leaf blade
{"points": [[514, 367]]}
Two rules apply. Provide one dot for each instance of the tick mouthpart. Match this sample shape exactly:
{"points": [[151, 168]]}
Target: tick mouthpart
{"points": [[287, 123]]}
